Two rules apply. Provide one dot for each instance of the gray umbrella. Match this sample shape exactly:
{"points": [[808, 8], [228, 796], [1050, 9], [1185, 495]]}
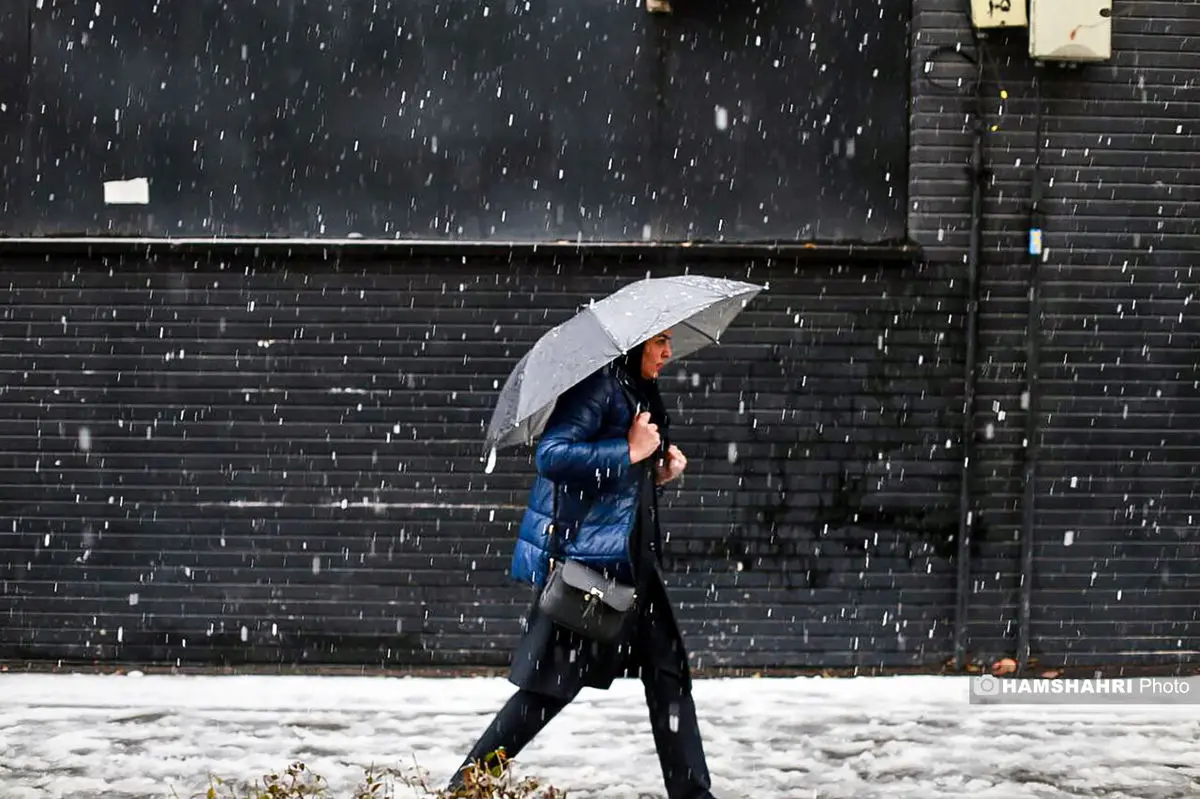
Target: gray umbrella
{"points": [[696, 308]]}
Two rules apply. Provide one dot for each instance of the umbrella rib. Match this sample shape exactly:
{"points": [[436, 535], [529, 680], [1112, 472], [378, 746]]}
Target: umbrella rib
{"points": [[698, 330]]}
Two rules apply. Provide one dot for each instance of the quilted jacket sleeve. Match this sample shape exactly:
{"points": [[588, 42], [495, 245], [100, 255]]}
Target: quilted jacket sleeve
{"points": [[568, 451]]}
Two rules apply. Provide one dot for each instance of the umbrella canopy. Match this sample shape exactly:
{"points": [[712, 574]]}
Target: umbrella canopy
{"points": [[696, 308]]}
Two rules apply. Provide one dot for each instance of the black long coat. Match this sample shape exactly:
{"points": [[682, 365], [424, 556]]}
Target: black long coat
{"points": [[554, 661]]}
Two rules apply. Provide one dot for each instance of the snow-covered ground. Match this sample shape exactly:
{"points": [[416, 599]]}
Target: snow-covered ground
{"points": [[87, 736]]}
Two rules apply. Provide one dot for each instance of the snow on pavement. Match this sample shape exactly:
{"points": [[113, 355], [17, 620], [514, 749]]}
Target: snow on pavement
{"points": [[120, 737]]}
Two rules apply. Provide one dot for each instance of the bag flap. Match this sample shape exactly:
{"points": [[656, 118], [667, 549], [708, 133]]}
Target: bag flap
{"points": [[581, 578]]}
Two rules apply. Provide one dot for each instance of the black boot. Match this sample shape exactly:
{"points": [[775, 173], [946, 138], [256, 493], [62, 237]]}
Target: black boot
{"points": [[521, 718]]}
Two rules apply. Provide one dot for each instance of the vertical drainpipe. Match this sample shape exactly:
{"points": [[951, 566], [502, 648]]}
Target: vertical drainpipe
{"points": [[1033, 333], [978, 174]]}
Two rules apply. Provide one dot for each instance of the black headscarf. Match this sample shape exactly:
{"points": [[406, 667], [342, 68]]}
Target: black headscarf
{"points": [[645, 393]]}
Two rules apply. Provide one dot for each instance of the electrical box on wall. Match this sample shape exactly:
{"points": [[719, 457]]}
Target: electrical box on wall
{"points": [[998, 13], [1070, 30]]}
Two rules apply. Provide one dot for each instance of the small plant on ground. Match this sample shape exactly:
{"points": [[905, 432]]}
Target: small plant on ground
{"points": [[491, 780], [296, 782]]}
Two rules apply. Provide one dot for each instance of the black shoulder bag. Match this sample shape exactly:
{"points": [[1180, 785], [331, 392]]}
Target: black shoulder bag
{"points": [[580, 598]]}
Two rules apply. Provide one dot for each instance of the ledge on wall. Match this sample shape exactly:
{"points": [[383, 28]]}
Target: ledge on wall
{"points": [[371, 249]]}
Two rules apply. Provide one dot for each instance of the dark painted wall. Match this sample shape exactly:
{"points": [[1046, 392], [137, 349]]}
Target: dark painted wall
{"points": [[1116, 548], [222, 460], [457, 120]]}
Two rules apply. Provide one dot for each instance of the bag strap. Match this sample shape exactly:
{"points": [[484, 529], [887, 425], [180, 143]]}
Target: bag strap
{"points": [[552, 528]]}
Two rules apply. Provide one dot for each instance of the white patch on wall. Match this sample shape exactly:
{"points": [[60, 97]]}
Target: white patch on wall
{"points": [[127, 192], [721, 117]]}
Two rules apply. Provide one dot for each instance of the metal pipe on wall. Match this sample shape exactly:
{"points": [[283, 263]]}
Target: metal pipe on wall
{"points": [[966, 518], [977, 171], [1030, 399]]}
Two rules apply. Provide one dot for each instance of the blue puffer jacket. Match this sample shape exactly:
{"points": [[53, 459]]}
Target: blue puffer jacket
{"points": [[585, 451]]}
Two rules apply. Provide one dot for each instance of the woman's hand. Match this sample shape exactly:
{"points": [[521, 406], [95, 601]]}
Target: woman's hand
{"points": [[643, 438], [672, 467]]}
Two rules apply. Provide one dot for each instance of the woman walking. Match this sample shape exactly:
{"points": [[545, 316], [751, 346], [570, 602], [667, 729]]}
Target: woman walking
{"points": [[601, 458]]}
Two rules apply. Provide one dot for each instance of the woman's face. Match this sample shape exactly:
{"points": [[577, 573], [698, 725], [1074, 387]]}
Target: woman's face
{"points": [[655, 354]]}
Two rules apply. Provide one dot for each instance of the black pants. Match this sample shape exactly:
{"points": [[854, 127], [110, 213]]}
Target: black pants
{"points": [[672, 719]]}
